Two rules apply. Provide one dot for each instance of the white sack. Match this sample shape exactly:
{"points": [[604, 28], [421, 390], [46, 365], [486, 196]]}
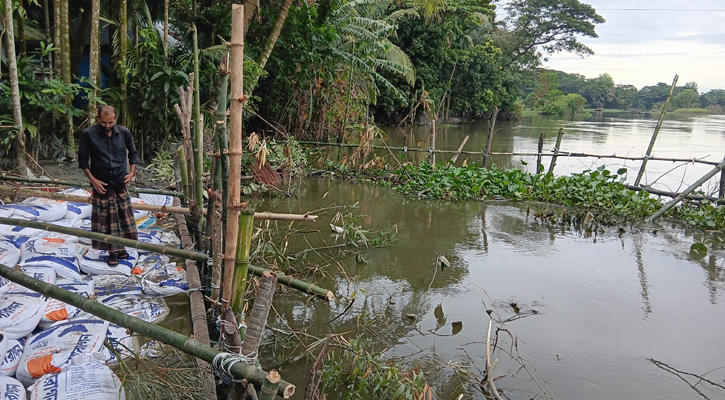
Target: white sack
{"points": [[21, 312], [91, 380], [12, 357], [51, 252], [124, 342], [43, 274], [11, 389], [9, 254], [59, 311], [94, 262], [40, 209]]}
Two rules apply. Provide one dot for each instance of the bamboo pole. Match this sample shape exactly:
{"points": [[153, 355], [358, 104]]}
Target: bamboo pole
{"points": [[659, 192], [233, 344], [198, 133], [489, 140], [183, 172], [540, 150], [455, 157], [217, 249], [82, 184], [174, 339], [241, 266], [20, 162], [270, 386], [432, 145], [556, 150], [156, 248], [687, 191], [222, 132], [303, 286], [235, 152], [721, 192], [260, 311], [656, 132]]}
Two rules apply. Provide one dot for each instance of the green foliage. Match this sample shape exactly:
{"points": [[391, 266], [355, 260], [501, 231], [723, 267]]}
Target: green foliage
{"points": [[360, 372], [162, 166]]}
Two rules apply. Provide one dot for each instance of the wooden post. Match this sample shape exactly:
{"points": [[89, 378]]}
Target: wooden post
{"points": [[235, 151], [491, 131], [556, 150], [184, 172], [233, 344], [460, 148], [432, 146], [198, 135], [656, 132], [260, 311], [241, 267], [687, 191], [20, 162], [721, 193], [541, 149]]}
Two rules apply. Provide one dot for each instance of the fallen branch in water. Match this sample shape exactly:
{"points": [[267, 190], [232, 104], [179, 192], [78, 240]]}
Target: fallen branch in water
{"points": [[676, 372]]}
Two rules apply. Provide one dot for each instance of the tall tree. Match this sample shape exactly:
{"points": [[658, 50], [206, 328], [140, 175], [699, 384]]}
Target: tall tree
{"points": [[122, 58], [65, 55], [58, 38], [20, 162], [550, 26], [274, 33]]}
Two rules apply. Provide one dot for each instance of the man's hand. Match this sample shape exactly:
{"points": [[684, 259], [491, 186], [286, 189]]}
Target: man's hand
{"points": [[128, 178], [98, 185]]}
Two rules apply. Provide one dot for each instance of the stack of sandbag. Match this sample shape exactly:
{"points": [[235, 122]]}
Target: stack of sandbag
{"points": [[123, 342], [9, 254], [60, 311], [130, 300], [85, 377], [40, 209], [43, 274], [20, 312], [78, 211], [165, 280], [14, 353], [50, 350], [52, 252], [95, 262], [11, 389]]}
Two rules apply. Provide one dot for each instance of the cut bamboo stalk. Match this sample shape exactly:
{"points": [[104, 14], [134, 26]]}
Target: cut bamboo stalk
{"points": [[460, 148], [198, 134], [556, 150], [270, 386], [233, 344], [217, 250], [489, 140], [241, 266], [300, 285], [183, 172], [174, 339], [656, 132], [235, 153], [156, 248], [687, 191], [540, 150], [258, 316]]}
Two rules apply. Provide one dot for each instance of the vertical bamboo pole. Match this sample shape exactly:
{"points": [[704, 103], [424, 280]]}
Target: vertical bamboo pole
{"points": [[489, 140], [198, 136], [123, 64], [556, 150], [235, 152], [260, 311], [721, 193], [432, 145], [166, 28], [184, 172], [57, 37], [65, 72], [14, 88], [656, 132], [540, 149], [94, 72], [216, 247], [241, 266], [697, 184], [221, 123], [233, 344]]}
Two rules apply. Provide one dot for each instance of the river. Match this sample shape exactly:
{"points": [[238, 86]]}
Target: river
{"points": [[615, 314]]}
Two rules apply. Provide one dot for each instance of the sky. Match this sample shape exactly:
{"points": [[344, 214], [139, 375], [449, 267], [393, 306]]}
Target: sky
{"points": [[646, 47]]}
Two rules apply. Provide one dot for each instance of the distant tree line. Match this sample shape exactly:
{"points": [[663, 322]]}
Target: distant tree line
{"points": [[556, 92]]}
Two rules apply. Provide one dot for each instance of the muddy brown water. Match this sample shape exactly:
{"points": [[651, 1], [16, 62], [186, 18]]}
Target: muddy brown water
{"points": [[599, 316]]}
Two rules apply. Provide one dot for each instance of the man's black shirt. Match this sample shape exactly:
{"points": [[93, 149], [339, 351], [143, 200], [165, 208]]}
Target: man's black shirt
{"points": [[107, 153]]}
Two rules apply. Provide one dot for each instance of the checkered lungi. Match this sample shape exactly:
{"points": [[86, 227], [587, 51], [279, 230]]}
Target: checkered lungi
{"points": [[113, 215]]}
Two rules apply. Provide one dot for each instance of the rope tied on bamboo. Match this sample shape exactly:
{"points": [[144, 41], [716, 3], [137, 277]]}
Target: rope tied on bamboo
{"points": [[225, 361]]}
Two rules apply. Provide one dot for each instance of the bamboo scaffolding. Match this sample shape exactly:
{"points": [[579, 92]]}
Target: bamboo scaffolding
{"points": [[687, 191], [174, 339], [241, 266], [489, 140], [556, 150], [156, 248], [87, 185], [235, 150], [656, 132]]}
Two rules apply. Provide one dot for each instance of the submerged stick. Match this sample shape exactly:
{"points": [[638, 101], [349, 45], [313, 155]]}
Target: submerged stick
{"points": [[455, 157], [687, 191], [489, 140], [489, 368], [540, 149], [656, 132], [174, 339], [156, 248]]}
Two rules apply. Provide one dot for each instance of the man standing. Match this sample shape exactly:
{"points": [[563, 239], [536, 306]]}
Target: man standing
{"points": [[106, 144]]}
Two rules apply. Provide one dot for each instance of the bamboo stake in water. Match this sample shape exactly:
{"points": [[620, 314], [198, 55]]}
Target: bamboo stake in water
{"points": [[721, 192], [489, 140], [556, 150], [241, 267], [235, 151], [540, 150], [687, 191], [432, 146], [171, 338], [460, 148], [656, 132]]}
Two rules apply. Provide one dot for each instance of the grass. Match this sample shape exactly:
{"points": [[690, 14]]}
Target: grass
{"points": [[693, 111]]}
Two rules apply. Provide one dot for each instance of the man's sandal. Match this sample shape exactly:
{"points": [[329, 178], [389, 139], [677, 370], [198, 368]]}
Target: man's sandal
{"points": [[122, 255], [112, 260]]}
